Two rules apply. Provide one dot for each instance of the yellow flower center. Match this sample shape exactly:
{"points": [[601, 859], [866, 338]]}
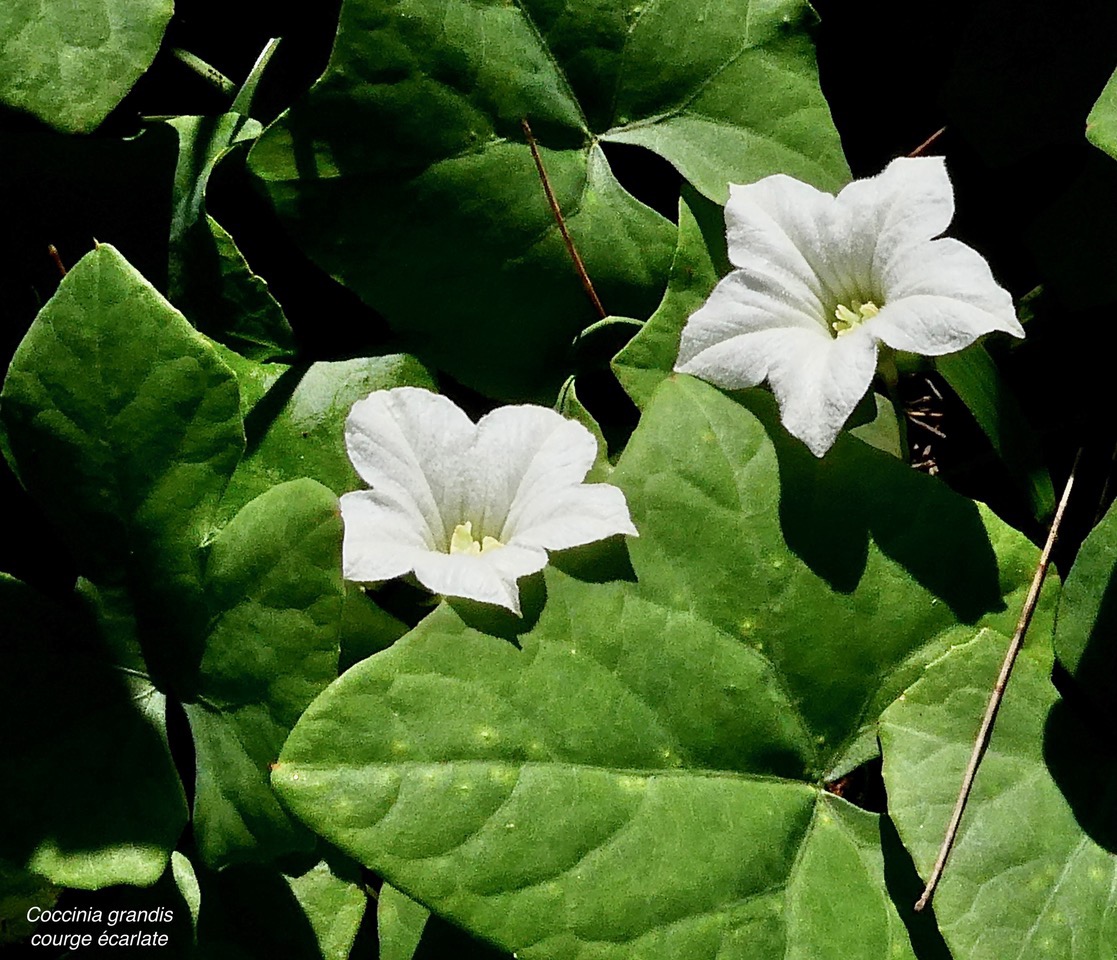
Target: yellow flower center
{"points": [[461, 541], [848, 318]]}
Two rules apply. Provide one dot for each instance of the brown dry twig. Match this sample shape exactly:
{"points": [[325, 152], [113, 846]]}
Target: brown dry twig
{"points": [[986, 731], [579, 266]]}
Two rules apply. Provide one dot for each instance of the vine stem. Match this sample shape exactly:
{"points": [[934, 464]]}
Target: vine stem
{"points": [[928, 143], [998, 693], [579, 266]]}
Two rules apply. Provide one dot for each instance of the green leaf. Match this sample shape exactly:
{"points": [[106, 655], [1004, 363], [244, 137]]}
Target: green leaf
{"points": [[399, 922], [209, 279], [275, 591], [365, 628], [305, 913], [1101, 124], [334, 903], [973, 375], [883, 430], [19, 892], [299, 431], [641, 773], [92, 797], [626, 783], [1086, 627], [186, 881], [879, 565], [570, 406], [700, 260], [70, 62], [408, 161], [1035, 867], [126, 427]]}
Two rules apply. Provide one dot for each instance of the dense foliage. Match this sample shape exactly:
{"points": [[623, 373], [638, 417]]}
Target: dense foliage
{"points": [[737, 734]]}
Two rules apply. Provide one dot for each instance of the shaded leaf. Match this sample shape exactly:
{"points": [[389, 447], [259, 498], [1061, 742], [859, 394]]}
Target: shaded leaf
{"points": [[70, 62], [61, 705], [365, 627], [126, 427], [1086, 627], [399, 922], [439, 180], [973, 375], [209, 279], [274, 586], [306, 913], [299, 431]]}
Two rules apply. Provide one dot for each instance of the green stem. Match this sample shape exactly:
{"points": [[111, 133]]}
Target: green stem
{"points": [[205, 71], [247, 93]]}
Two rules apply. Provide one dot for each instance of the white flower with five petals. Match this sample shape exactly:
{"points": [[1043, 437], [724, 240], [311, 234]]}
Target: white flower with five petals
{"points": [[468, 508], [821, 280]]}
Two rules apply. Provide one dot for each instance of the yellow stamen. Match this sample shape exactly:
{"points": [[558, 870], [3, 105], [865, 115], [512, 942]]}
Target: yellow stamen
{"points": [[847, 318], [461, 541]]}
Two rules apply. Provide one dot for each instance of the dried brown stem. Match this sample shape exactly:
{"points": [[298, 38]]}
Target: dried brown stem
{"points": [[997, 695], [928, 143], [52, 252], [579, 266]]}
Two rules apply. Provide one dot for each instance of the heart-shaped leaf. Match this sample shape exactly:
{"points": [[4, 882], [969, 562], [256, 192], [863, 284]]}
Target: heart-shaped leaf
{"points": [[409, 161], [642, 774], [626, 784], [126, 426]]}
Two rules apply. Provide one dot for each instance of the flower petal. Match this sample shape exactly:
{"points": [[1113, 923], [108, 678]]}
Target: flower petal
{"points": [[746, 301], [907, 204], [940, 298], [748, 358], [779, 228], [577, 515], [818, 383], [411, 445], [490, 577], [523, 455], [381, 541]]}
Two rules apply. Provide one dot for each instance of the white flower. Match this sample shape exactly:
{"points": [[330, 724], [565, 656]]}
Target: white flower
{"points": [[468, 508], [821, 280]]}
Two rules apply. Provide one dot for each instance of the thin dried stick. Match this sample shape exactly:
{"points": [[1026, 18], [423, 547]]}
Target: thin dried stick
{"points": [[579, 266], [52, 252], [928, 143], [997, 696]]}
